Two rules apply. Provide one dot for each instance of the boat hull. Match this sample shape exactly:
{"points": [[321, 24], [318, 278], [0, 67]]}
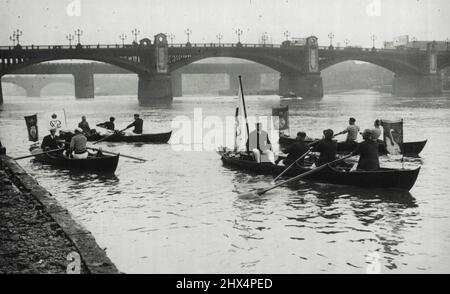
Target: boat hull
{"points": [[383, 178], [160, 138], [407, 148], [102, 164]]}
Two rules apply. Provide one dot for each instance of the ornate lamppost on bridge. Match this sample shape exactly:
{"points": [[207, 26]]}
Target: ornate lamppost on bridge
{"points": [[346, 42], [414, 42], [373, 38], [188, 32], [70, 38], [171, 37], [17, 34], [331, 36], [238, 32], [219, 37], [264, 38], [123, 38], [287, 34], [13, 39], [135, 33], [78, 33]]}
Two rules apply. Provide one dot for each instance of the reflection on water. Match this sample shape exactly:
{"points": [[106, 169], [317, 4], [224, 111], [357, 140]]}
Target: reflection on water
{"points": [[181, 212]]}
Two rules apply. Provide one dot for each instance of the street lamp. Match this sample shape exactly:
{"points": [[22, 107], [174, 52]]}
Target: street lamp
{"points": [[135, 33], [373, 38], [238, 32], [346, 42], [188, 32], [13, 39], [78, 33], [171, 37], [287, 34], [331, 36], [70, 38], [123, 37], [17, 34], [264, 38], [219, 37], [414, 41]]}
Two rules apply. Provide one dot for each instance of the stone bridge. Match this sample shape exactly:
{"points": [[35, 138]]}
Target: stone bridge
{"points": [[416, 71]]}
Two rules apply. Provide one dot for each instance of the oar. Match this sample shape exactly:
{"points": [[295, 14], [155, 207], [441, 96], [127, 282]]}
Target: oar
{"points": [[259, 193], [104, 138], [112, 153], [282, 173], [40, 153]]}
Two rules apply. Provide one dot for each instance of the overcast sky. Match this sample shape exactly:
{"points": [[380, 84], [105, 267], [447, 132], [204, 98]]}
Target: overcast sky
{"points": [[47, 21]]}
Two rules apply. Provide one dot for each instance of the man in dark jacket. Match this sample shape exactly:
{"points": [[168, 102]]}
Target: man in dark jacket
{"points": [[50, 142], [137, 124], [109, 125], [296, 150], [368, 152], [327, 148]]}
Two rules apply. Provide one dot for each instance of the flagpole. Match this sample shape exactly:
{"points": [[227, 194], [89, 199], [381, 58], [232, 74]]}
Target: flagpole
{"points": [[65, 118], [245, 113]]}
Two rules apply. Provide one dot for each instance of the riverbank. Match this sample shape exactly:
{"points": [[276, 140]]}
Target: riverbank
{"points": [[38, 235]]}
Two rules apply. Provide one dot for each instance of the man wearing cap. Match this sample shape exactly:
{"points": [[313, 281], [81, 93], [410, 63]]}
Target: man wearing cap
{"points": [[50, 142], [78, 145], [84, 125], [137, 124], [352, 131], [296, 150], [368, 152], [327, 148]]}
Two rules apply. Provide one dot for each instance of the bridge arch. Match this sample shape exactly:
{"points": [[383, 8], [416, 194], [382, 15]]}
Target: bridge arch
{"points": [[277, 62], [123, 63]]}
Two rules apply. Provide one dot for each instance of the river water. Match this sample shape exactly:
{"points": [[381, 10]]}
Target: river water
{"points": [[180, 212]]}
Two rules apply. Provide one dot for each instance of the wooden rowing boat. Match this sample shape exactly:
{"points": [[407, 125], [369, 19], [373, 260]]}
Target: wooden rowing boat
{"points": [[401, 179], [160, 138], [101, 164], [407, 148]]}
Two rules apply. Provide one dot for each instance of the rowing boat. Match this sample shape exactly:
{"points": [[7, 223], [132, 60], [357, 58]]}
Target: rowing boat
{"points": [[102, 164], [407, 148], [117, 137], [401, 179]]}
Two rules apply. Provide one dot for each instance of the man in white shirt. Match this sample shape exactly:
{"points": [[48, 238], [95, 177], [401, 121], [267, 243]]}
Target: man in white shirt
{"points": [[259, 143], [352, 131]]}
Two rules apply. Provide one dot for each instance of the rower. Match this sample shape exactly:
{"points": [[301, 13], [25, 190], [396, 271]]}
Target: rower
{"points": [[109, 125], [258, 142], [78, 145], [327, 148], [84, 125], [376, 130], [296, 150], [352, 131], [50, 142], [368, 152], [137, 124]]}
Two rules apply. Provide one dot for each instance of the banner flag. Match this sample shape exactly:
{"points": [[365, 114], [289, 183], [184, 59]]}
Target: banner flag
{"points": [[283, 117], [393, 135], [240, 131], [32, 127]]}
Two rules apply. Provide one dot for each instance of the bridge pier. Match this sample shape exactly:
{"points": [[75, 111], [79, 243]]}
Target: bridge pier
{"points": [[84, 85], [1, 92], [155, 89], [302, 85], [417, 85], [177, 84]]}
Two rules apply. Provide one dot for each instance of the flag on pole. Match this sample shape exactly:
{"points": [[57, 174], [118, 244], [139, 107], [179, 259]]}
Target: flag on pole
{"points": [[32, 127], [240, 125], [282, 113], [393, 135]]}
